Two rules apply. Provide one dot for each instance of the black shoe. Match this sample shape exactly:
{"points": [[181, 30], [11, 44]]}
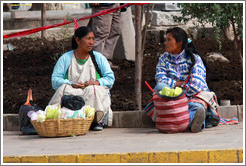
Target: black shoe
{"points": [[208, 125], [198, 120], [28, 131], [98, 127]]}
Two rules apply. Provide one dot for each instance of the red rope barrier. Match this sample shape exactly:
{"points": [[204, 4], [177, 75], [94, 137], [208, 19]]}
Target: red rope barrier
{"points": [[103, 12]]}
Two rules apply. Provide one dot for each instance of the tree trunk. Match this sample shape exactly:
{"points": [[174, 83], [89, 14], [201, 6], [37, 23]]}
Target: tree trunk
{"points": [[237, 44], [138, 58], [228, 32]]}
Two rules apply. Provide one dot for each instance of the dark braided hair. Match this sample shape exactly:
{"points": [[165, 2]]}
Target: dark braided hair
{"points": [[80, 33], [95, 63], [180, 35]]}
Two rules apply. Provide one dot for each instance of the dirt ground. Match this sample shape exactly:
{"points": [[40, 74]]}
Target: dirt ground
{"points": [[31, 65]]}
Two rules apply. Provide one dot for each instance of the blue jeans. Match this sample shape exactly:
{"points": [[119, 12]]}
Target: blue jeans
{"points": [[193, 106]]}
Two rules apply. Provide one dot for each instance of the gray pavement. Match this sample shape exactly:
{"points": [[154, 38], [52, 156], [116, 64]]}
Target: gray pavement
{"points": [[120, 140]]}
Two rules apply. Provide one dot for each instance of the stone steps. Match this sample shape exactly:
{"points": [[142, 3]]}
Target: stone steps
{"points": [[130, 119]]}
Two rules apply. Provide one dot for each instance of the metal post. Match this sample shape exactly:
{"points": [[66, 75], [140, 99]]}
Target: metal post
{"points": [[43, 20], [138, 57]]}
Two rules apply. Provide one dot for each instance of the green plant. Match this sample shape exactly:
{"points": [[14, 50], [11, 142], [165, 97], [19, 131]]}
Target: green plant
{"points": [[65, 36], [34, 38], [65, 29], [220, 15], [55, 57]]}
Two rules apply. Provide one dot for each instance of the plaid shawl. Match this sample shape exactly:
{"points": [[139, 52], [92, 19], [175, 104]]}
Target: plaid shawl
{"points": [[211, 100]]}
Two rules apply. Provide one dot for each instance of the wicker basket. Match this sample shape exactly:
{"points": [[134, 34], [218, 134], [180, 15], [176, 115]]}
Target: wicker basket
{"points": [[62, 127]]}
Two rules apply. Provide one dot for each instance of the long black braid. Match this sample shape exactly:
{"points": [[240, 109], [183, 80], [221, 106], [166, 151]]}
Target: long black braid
{"points": [[95, 63]]}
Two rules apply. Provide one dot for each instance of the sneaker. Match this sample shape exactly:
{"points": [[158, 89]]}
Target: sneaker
{"points": [[98, 127], [198, 120]]}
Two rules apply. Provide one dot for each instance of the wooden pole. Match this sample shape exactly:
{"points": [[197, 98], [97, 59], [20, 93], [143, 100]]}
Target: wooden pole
{"points": [[43, 20], [138, 58]]}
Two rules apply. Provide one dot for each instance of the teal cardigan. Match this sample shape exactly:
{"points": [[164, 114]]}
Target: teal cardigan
{"points": [[63, 63]]}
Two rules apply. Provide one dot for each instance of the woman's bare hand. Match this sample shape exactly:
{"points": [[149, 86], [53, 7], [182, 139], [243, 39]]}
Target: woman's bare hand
{"points": [[93, 83], [179, 83], [78, 85]]}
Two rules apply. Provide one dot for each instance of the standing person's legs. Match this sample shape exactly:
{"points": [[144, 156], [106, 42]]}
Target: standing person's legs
{"points": [[101, 26], [114, 35], [197, 116]]}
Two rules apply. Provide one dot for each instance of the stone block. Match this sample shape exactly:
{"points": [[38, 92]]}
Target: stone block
{"points": [[11, 122], [63, 159], [164, 18], [146, 120], [227, 112], [193, 157], [155, 35], [116, 121], [240, 112], [98, 158], [164, 157], [35, 159], [138, 157], [223, 156], [130, 119], [19, 14], [4, 123]]}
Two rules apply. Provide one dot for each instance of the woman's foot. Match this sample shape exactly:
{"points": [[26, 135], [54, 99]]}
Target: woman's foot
{"points": [[198, 120], [98, 127]]}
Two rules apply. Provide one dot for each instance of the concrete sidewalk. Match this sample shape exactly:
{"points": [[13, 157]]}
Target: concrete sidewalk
{"points": [[221, 144]]}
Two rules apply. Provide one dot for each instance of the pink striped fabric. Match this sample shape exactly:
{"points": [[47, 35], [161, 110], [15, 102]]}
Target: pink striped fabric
{"points": [[172, 115]]}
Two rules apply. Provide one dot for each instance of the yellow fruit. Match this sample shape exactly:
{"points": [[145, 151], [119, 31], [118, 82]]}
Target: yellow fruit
{"points": [[166, 91], [177, 91], [52, 112], [89, 111], [171, 92]]}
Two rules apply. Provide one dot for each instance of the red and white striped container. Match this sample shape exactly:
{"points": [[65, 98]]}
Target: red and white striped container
{"points": [[172, 113]]}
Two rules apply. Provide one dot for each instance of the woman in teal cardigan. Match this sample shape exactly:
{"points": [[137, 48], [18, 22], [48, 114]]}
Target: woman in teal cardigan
{"points": [[85, 73]]}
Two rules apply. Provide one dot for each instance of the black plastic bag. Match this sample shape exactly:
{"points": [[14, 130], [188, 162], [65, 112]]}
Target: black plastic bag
{"points": [[72, 102], [211, 120], [26, 126]]}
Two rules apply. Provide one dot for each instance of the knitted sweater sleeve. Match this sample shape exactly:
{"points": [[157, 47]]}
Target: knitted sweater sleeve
{"points": [[197, 82], [59, 71], [161, 72], [107, 78]]}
